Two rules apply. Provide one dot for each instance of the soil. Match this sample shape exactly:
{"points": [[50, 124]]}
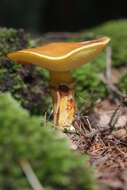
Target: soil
{"points": [[103, 136]]}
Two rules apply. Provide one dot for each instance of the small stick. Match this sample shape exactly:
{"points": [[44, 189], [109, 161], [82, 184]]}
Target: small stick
{"points": [[29, 173], [108, 63], [108, 67], [99, 130], [107, 80], [115, 116], [88, 123], [95, 132], [112, 87]]}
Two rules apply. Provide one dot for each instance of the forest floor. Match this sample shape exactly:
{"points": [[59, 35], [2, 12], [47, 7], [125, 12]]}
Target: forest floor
{"points": [[102, 134]]}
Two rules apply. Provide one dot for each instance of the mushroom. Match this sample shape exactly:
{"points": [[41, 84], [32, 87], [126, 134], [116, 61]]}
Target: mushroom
{"points": [[60, 58]]}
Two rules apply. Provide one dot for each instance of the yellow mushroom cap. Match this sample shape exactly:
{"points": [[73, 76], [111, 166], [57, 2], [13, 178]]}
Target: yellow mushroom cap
{"points": [[61, 56]]}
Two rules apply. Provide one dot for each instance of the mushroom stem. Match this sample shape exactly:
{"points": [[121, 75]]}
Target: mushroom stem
{"points": [[62, 91]]}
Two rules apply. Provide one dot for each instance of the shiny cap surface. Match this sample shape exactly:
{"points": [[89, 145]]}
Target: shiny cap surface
{"points": [[61, 56]]}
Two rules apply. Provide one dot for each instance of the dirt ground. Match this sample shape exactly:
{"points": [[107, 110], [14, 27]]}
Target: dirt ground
{"points": [[102, 135]]}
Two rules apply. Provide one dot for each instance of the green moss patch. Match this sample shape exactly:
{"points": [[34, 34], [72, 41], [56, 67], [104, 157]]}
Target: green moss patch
{"points": [[28, 84], [25, 137]]}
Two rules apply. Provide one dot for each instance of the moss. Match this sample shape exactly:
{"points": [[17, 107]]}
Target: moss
{"points": [[11, 39], [116, 30], [21, 136], [89, 88], [28, 84], [32, 88], [122, 82]]}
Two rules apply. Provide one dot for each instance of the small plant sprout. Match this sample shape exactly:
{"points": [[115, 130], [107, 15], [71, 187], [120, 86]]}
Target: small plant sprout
{"points": [[60, 58]]}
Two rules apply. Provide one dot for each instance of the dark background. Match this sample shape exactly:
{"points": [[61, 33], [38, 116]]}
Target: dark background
{"points": [[59, 15]]}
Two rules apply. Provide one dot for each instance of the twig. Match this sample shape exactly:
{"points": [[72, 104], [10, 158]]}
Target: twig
{"points": [[88, 123], [29, 173], [108, 67], [112, 87], [111, 125], [107, 79], [99, 130], [108, 63], [115, 116]]}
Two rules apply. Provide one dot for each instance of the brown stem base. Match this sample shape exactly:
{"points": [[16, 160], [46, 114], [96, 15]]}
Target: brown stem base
{"points": [[64, 106]]}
